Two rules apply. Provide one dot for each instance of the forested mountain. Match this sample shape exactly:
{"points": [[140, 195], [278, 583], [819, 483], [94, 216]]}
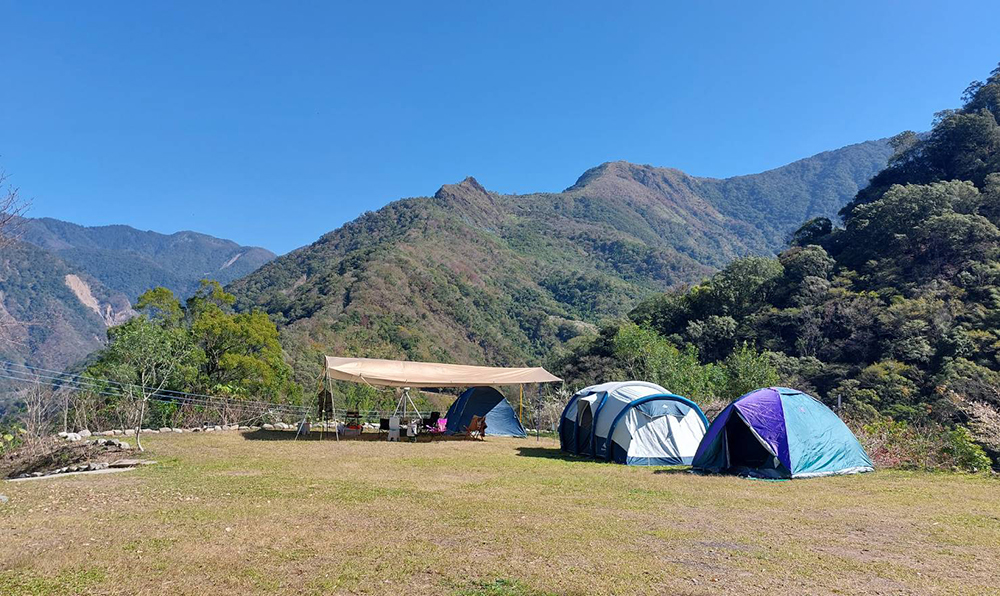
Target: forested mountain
{"points": [[62, 285], [132, 261], [474, 276], [895, 314], [53, 313]]}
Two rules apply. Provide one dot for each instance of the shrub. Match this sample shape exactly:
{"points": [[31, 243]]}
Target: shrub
{"points": [[898, 444], [968, 455]]}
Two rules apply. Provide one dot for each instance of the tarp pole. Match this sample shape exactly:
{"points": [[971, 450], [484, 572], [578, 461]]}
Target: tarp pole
{"points": [[333, 406], [520, 406]]}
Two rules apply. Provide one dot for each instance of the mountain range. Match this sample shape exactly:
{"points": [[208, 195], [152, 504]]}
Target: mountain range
{"points": [[466, 275], [62, 285], [475, 276]]}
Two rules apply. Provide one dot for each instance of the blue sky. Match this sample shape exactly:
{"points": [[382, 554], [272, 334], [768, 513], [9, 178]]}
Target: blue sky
{"points": [[273, 124]]}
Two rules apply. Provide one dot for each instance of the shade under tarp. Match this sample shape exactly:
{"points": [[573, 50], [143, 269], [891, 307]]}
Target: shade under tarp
{"points": [[401, 373]]}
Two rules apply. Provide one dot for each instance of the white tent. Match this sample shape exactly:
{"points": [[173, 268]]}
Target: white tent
{"points": [[647, 425]]}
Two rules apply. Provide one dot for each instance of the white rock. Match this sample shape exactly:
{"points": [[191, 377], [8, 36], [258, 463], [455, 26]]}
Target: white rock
{"points": [[166, 429], [217, 427], [178, 430], [108, 433], [116, 432], [63, 434], [210, 429], [73, 437], [84, 433], [268, 427]]}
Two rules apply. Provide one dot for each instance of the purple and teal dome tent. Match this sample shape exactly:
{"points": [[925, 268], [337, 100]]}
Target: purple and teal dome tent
{"points": [[780, 433]]}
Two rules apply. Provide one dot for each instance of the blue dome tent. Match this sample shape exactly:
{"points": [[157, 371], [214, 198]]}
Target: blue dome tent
{"points": [[632, 422], [484, 401], [780, 433]]}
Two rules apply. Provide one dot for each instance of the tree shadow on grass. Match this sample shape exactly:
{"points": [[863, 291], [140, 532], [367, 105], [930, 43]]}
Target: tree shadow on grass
{"points": [[551, 453], [675, 470], [371, 436], [287, 435]]}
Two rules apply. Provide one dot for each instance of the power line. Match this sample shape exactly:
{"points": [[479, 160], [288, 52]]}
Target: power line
{"points": [[109, 381], [94, 386]]}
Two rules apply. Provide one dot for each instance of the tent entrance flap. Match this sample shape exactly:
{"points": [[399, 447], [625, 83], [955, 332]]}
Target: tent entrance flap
{"points": [[584, 427], [746, 452]]}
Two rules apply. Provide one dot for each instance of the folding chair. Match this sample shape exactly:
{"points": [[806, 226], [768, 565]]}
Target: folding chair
{"points": [[476, 428]]}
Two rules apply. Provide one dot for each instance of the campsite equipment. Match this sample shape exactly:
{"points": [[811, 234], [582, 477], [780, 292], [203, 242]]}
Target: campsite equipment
{"points": [[632, 422], [488, 403], [431, 421], [393, 428], [404, 375], [352, 420], [780, 433], [476, 428]]}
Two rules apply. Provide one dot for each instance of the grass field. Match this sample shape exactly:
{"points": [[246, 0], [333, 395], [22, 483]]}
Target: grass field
{"points": [[228, 513]]}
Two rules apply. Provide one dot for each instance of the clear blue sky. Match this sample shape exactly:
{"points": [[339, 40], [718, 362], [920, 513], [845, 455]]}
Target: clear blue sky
{"points": [[272, 123]]}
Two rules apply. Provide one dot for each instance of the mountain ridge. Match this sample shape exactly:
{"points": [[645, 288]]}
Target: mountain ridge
{"points": [[62, 284], [177, 261], [477, 276]]}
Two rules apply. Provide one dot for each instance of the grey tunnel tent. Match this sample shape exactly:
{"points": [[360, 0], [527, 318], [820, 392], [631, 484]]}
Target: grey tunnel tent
{"points": [[632, 422]]}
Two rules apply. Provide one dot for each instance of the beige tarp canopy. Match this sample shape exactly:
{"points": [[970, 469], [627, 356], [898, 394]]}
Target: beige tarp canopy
{"points": [[399, 373]]}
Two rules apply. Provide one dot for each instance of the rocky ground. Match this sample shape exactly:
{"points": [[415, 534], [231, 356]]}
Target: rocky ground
{"points": [[57, 455]]}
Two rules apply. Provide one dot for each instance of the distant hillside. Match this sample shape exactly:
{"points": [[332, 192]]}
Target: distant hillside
{"points": [[53, 314], [474, 276], [63, 284], [131, 261]]}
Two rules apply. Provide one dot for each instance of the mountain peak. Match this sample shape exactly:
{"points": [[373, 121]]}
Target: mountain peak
{"points": [[469, 185], [623, 170]]}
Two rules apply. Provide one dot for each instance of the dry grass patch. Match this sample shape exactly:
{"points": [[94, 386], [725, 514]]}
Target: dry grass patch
{"points": [[225, 512]]}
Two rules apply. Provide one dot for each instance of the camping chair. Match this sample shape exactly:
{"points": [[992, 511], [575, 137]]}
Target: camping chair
{"points": [[430, 423], [383, 426], [439, 427], [476, 428], [352, 421]]}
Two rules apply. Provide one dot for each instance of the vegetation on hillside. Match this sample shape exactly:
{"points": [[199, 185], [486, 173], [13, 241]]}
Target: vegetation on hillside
{"points": [[202, 347], [132, 261], [473, 276], [895, 315], [46, 324]]}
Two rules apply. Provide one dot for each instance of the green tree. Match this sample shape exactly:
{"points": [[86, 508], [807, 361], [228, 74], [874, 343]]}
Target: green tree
{"points": [[144, 358], [745, 370], [644, 354], [161, 306]]}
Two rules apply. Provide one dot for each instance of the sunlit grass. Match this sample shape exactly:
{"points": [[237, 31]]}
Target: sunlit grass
{"points": [[224, 512]]}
